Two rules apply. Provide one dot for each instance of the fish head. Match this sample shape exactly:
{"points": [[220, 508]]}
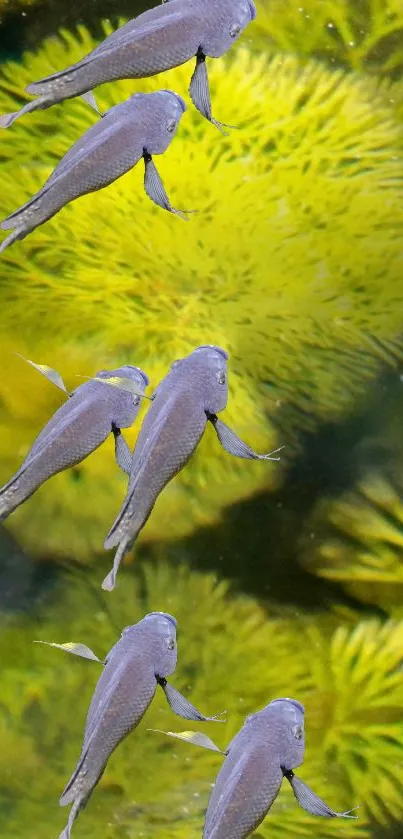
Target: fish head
{"points": [[125, 404], [222, 32], [159, 630], [289, 717], [206, 367], [164, 110]]}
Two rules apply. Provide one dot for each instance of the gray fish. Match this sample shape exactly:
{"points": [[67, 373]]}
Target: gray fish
{"points": [[269, 746], [192, 393], [142, 126], [143, 657], [78, 427], [159, 39]]}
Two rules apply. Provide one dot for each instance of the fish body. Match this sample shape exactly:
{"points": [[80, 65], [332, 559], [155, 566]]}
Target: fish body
{"points": [[157, 40], [270, 741], [122, 695], [78, 427], [144, 124], [195, 387]]}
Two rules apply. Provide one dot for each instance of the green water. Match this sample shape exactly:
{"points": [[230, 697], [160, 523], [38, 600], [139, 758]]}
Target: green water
{"points": [[286, 579]]}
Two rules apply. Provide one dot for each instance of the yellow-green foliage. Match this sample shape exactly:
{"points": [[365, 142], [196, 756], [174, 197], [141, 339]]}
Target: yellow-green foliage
{"points": [[295, 254], [231, 656], [360, 34], [363, 548]]}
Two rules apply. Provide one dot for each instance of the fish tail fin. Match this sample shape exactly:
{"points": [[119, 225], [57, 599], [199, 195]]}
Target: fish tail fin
{"points": [[77, 806], [19, 233], [110, 579], [37, 104]]}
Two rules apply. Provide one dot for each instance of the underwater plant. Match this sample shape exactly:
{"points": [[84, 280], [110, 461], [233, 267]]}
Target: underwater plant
{"points": [[359, 539], [292, 259], [364, 35], [349, 680]]}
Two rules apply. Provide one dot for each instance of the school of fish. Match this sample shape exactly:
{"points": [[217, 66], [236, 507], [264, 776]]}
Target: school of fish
{"points": [[159, 39], [271, 743]]}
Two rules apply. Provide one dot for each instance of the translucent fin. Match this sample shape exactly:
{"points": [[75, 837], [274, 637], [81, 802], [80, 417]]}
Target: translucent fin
{"points": [[123, 455], [199, 93], [75, 649], [182, 707], [193, 737], [121, 382], [110, 579], [155, 188], [65, 834], [90, 100], [234, 445], [311, 802], [7, 119], [18, 233], [50, 374]]}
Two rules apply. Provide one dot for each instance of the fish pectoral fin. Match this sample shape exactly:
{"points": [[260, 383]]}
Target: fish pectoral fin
{"points": [[182, 707], [90, 100], [199, 92], [123, 454], [311, 802], [155, 188], [234, 445], [75, 649], [50, 374], [193, 737]]}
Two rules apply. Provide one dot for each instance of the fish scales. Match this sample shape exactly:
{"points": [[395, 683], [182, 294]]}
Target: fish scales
{"points": [[77, 428], [159, 39], [146, 123], [251, 775], [171, 431], [122, 695]]}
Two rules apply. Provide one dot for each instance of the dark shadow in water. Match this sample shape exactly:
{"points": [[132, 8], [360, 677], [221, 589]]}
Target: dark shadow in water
{"points": [[258, 543], [24, 584], [19, 32]]}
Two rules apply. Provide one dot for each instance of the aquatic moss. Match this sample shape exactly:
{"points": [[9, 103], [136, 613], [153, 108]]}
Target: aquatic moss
{"points": [[293, 257], [359, 541], [365, 35], [231, 655]]}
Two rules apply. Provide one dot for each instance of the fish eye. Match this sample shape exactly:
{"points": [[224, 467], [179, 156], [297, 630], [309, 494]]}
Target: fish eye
{"points": [[235, 30], [221, 378], [297, 731], [171, 644], [171, 125]]}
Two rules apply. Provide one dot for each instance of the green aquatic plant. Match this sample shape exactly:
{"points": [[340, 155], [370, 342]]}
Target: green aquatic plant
{"points": [[359, 539], [233, 656], [293, 257], [357, 34]]}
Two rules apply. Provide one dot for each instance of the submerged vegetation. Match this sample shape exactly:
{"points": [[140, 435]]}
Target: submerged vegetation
{"points": [[348, 678], [364, 35], [311, 175]]}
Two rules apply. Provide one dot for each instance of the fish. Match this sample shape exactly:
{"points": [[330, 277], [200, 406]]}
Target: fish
{"points": [[143, 657], [191, 394], [91, 412], [267, 749], [159, 39], [142, 126]]}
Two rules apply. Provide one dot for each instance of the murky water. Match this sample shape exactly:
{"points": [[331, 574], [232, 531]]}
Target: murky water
{"points": [[286, 578]]}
